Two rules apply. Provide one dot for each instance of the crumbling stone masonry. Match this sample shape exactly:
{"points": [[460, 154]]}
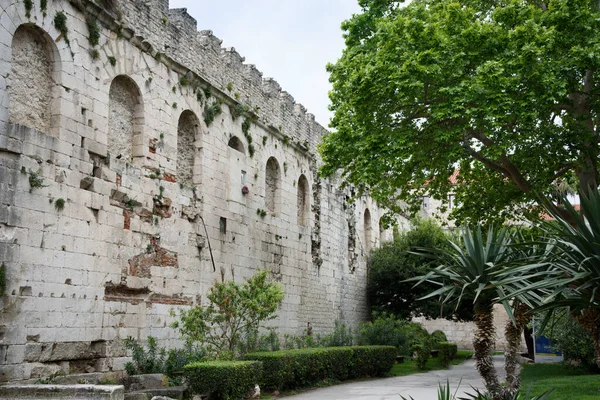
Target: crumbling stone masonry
{"points": [[129, 143]]}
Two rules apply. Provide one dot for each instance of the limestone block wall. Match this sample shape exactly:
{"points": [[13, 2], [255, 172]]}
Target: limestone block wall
{"points": [[462, 333], [140, 163]]}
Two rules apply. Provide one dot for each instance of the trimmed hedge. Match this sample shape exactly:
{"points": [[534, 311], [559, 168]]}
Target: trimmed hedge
{"points": [[290, 369], [372, 361], [223, 379], [447, 352]]}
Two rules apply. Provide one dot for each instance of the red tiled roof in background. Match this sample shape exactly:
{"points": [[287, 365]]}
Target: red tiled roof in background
{"points": [[547, 217]]}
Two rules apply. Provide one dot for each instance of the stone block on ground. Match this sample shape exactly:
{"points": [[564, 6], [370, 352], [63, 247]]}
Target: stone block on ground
{"points": [[78, 392], [135, 383], [175, 393]]}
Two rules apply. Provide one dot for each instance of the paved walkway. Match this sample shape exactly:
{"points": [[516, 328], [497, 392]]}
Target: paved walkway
{"points": [[420, 386]]}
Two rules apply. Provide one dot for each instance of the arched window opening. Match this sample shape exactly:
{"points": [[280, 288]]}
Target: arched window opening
{"points": [[33, 80], [236, 144], [367, 228], [303, 201], [273, 186], [125, 117], [187, 129]]}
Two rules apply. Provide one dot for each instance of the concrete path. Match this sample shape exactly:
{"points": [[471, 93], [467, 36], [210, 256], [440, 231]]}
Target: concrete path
{"points": [[420, 386]]}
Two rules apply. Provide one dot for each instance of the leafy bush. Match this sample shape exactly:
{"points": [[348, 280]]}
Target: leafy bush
{"points": [[234, 313], [341, 336], [422, 353], [269, 341], [144, 361], [395, 262], [390, 331], [372, 361], [447, 352], [437, 337], [160, 360], [223, 379], [289, 369], [573, 341]]}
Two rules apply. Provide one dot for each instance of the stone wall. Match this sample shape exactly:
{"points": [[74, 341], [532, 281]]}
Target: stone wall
{"points": [[119, 186], [462, 333]]}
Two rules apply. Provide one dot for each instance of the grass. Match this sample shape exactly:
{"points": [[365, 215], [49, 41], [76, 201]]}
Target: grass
{"points": [[409, 367], [568, 382]]}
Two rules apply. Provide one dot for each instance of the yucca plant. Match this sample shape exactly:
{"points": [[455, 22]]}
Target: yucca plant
{"points": [[573, 278], [444, 393], [485, 270], [467, 273]]}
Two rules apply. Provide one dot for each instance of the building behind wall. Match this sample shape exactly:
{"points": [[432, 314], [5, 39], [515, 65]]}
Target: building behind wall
{"points": [[132, 147]]}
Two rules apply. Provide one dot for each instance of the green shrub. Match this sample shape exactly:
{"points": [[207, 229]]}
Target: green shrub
{"points": [[278, 368], [372, 361], [341, 336], [572, 340], [223, 379], [144, 361], [422, 352], [387, 330], [447, 352], [156, 359], [438, 337], [393, 263], [232, 317], [289, 369]]}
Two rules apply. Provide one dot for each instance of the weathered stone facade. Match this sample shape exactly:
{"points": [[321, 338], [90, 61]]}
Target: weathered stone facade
{"points": [[121, 182]]}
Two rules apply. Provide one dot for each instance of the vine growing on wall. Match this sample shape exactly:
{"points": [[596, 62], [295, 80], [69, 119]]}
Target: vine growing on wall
{"points": [[28, 6], [60, 23], [93, 31], [211, 111]]}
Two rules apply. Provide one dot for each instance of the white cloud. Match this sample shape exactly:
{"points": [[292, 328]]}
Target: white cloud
{"points": [[290, 41]]}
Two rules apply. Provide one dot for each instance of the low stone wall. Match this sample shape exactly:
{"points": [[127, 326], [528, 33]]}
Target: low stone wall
{"points": [[73, 392], [462, 333]]}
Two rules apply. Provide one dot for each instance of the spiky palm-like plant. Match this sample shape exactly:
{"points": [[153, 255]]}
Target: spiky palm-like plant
{"points": [[573, 279], [469, 272]]}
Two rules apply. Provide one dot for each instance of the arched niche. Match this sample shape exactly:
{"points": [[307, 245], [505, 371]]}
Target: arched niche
{"points": [[236, 144], [303, 202], [33, 91], [187, 129], [125, 117], [273, 186], [368, 230]]}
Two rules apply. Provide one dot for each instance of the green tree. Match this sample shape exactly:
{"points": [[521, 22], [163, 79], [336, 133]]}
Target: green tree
{"points": [[572, 278], [473, 272], [507, 90], [233, 311], [395, 262]]}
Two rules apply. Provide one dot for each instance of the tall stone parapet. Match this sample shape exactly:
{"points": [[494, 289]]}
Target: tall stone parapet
{"points": [[174, 32]]}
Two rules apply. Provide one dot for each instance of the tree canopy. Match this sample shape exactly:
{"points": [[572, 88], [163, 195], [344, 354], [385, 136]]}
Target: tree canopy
{"points": [[388, 290], [505, 90]]}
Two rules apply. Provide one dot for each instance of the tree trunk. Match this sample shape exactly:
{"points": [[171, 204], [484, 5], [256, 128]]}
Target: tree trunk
{"points": [[528, 333], [513, 337], [483, 345]]}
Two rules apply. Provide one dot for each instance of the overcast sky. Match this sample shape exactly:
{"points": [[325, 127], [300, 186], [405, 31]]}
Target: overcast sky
{"points": [[288, 40]]}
